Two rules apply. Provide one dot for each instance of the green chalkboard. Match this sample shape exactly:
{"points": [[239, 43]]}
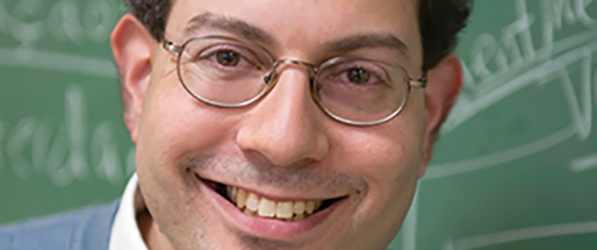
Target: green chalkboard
{"points": [[515, 167]]}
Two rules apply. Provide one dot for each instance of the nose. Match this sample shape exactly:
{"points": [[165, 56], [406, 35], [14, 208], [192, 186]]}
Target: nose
{"points": [[286, 125]]}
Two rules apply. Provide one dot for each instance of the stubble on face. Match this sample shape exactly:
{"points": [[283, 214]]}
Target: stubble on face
{"points": [[363, 164], [301, 177]]}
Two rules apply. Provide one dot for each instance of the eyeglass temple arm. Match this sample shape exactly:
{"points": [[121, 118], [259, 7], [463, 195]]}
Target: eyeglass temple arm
{"points": [[171, 47], [419, 83]]}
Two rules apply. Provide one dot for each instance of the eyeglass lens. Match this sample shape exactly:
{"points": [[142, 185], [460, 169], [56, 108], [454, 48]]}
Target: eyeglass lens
{"points": [[228, 72]]}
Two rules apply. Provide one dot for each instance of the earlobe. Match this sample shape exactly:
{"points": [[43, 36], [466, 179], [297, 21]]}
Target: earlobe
{"points": [[132, 47], [444, 85]]}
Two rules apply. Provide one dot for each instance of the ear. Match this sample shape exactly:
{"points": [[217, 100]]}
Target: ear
{"points": [[133, 47], [444, 85]]}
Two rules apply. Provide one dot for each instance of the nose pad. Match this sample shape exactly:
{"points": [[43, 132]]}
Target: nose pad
{"points": [[270, 78]]}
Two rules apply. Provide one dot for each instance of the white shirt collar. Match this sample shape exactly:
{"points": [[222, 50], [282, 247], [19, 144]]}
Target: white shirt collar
{"points": [[125, 233]]}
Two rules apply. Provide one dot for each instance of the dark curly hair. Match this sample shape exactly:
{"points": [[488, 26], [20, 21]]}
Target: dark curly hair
{"points": [[439, 22]]}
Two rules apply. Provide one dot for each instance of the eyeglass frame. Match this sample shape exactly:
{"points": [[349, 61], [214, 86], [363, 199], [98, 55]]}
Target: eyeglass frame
{"points": [[176, 50]]}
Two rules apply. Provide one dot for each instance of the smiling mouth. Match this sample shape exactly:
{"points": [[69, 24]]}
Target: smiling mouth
{"points": [[251, 204]]}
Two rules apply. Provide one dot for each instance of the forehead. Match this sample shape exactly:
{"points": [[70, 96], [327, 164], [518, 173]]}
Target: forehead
{"points": [[307, 23]]}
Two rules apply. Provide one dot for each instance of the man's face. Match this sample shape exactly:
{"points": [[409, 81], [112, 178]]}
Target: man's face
{"points": [[283, 147]]}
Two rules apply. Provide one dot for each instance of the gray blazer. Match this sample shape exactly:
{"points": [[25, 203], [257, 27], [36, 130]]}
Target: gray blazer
{"points": [[85, 229]]}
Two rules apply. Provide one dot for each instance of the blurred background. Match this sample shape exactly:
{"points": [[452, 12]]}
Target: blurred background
{"points": [[515, 166]]}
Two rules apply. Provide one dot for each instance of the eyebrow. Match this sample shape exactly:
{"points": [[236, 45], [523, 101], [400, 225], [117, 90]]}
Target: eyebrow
{"points": [[208, 20], [228, 24], [355, 42]]}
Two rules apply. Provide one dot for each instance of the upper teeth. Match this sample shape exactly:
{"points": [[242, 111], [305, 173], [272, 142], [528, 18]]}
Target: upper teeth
{"points": [[253, 205]]}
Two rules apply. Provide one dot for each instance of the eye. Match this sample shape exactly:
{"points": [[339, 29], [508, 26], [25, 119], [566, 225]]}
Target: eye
{"points": [[358, 76], [359, 73], [228, 58]]}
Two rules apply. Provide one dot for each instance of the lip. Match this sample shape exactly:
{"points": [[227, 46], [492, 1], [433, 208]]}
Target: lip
{"points": [[269, 228]]}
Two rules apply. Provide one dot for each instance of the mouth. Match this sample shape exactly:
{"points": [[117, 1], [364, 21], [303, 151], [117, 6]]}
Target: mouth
{"points": [[256, 205]]}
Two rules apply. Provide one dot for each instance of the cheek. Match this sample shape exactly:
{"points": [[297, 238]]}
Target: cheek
{"points": [[381, 154], [174, 124], [387, 157]]}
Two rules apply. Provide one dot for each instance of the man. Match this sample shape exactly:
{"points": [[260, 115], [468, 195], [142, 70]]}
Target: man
{"points": [[270, 124]]}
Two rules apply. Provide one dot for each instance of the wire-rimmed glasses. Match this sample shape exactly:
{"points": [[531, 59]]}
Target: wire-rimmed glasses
{"points": [[227, 72]]}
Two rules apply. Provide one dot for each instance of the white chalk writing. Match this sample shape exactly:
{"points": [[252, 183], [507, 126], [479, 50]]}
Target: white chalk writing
{"points": [[66, 21], [521, 234], [37, 147], [501, 67]]}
